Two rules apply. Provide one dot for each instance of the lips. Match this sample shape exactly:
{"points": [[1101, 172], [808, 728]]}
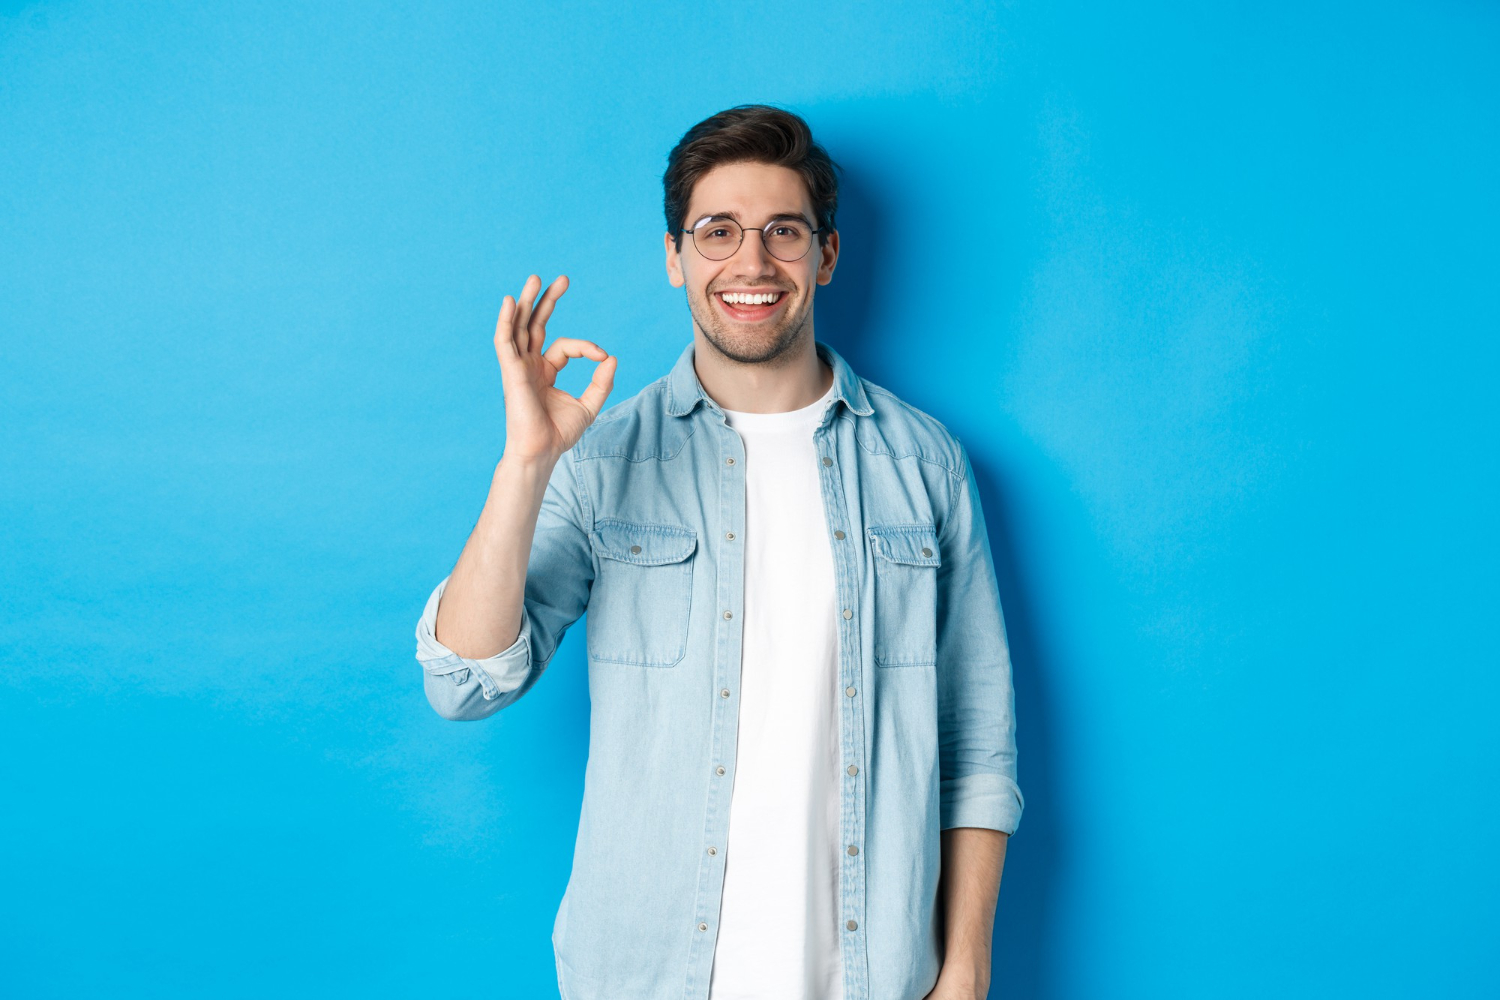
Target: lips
{"points": [[747, 305]]}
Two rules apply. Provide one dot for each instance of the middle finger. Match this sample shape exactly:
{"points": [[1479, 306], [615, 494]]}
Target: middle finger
{"points": [[537, 328]]}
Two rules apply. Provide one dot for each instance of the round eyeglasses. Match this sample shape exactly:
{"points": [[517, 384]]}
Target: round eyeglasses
{"points": [[787, 240]]}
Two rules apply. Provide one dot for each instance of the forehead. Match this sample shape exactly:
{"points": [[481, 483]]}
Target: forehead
{"points": [[750, 191]]}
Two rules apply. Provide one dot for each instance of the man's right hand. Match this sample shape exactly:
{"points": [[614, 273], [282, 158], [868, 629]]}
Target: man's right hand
{"points": [[483, 604], [542, 421]]}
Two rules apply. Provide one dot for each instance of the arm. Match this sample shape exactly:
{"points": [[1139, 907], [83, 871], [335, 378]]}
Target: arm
{"points": [[975, 700], [481, 613], [557, 576], [980, 800], [522, 578], [967, 893]]}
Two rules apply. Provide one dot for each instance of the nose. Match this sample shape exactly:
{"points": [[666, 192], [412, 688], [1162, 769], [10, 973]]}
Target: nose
{"points": [[751, 256]]}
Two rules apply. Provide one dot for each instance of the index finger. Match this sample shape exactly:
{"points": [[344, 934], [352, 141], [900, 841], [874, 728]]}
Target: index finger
{"points": [[505, 329]]}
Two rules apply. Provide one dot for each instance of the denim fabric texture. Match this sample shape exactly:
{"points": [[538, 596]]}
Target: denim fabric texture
{"points": [[642, 527]]}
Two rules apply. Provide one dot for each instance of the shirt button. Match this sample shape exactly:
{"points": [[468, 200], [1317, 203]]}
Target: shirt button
{"points": [[729, 535], [853, 925], [849, 691], [703, 927], [852, 850], [827, 460], [635, 549], [729, 614], [926, 551], [719, 769], [838, 534], [712, 851], [853, 770], [728, 461], [848, 613], [724, 693]]}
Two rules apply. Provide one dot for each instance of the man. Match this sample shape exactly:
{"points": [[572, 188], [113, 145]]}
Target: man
{"points": [[801, 775]]}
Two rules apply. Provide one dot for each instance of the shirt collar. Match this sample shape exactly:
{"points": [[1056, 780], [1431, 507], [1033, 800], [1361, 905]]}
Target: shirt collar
{"points": [[685, 391]]}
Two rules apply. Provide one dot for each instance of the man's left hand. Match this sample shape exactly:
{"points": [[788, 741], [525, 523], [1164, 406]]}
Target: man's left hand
{"points": [[953, 985]]}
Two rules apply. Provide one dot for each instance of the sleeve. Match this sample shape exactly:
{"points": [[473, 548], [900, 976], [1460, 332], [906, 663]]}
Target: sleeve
{"points": [[559, 576], [976, 703]]}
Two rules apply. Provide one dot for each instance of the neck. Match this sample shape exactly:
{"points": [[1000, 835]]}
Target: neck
{"points": [[791, 381]]}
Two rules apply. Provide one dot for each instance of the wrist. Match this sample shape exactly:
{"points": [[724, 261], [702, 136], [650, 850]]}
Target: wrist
{"points": [[519, 481], [526, 466], [967, 969]]}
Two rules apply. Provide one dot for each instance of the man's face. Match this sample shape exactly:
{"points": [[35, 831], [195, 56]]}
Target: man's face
{"points": [[751, 194]]}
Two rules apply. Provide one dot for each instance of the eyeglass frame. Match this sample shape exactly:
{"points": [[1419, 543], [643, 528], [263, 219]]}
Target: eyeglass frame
{"points": [[762, 230]]}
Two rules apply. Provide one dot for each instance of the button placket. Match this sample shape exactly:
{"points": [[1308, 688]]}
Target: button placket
{"points": [[851, 728], [725, 675]]}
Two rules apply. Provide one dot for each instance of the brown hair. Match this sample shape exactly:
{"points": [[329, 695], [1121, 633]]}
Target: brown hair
{"points": [[756, 133]]}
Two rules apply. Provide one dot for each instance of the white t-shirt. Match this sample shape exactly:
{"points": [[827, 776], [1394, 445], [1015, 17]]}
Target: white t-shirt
{"points": [[778, 920]]}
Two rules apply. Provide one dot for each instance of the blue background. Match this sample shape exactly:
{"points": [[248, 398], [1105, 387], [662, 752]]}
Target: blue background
{"points": [[1208, 291]]}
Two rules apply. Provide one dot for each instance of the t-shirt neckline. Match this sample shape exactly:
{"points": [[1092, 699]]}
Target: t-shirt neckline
{"points": [[783, 418]]}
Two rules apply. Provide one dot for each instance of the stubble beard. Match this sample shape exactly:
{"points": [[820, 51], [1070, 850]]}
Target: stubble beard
{"points": [[746, 347]]}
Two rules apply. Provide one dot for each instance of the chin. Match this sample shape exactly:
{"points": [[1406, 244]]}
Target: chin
{"points": [[753, 346], [746, 343]]}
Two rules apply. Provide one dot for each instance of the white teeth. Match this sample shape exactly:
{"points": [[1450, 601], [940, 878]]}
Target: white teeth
{"points": [[749, 299]]}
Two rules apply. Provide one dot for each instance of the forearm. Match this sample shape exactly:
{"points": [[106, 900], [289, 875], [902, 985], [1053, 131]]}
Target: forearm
{"points": [[480, 612], [972, 859]]}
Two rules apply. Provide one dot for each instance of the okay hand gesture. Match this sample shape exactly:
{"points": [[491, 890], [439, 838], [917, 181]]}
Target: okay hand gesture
{"points": [[542, 421]]}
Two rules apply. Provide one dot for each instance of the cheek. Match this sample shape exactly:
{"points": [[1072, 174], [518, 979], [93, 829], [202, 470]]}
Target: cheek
{"points": [[698, 293], [699, 281]]}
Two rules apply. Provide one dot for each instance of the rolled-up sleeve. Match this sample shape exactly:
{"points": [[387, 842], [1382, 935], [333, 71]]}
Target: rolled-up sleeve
{"points": [[976, 703], [559, 575]]}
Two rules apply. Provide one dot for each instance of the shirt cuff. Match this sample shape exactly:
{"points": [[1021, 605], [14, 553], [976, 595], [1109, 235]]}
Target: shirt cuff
{"points": [[989, 801], [497, 675]]}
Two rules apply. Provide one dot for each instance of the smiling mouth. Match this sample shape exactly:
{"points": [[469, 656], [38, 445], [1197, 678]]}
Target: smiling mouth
{"points": [[751, 306]]}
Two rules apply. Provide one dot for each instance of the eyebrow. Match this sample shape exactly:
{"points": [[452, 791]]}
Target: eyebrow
{"points": [[709, 217]]}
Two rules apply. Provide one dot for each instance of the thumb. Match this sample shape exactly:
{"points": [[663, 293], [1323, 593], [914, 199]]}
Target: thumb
{"points": [[600, 384]]}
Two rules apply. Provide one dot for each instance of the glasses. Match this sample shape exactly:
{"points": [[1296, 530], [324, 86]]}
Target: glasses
{"points": [[787, 240]]}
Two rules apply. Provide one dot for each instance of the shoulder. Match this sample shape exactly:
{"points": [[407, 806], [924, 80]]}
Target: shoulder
{"points": [[637, 429], [901, 430]]}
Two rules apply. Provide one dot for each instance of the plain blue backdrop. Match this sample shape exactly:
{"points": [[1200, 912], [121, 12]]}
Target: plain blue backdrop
{"points": [[1208, 291]]}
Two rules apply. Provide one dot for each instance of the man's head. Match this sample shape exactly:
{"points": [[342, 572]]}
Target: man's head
{"points": [[758, 170]]}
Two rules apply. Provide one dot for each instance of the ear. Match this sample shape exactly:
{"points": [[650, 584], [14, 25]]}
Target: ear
{"points": [[674, 263], [828, 257]]}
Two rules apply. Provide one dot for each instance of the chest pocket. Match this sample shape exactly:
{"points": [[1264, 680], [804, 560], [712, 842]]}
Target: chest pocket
{"points": [[906, 566], [638, 608]]}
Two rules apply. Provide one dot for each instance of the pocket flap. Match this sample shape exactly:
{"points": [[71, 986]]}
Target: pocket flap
{"points": [[643, 544], [912, 544]]}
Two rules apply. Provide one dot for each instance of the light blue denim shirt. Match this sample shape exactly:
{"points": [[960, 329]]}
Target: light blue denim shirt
{"points": [[642, 526]]}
